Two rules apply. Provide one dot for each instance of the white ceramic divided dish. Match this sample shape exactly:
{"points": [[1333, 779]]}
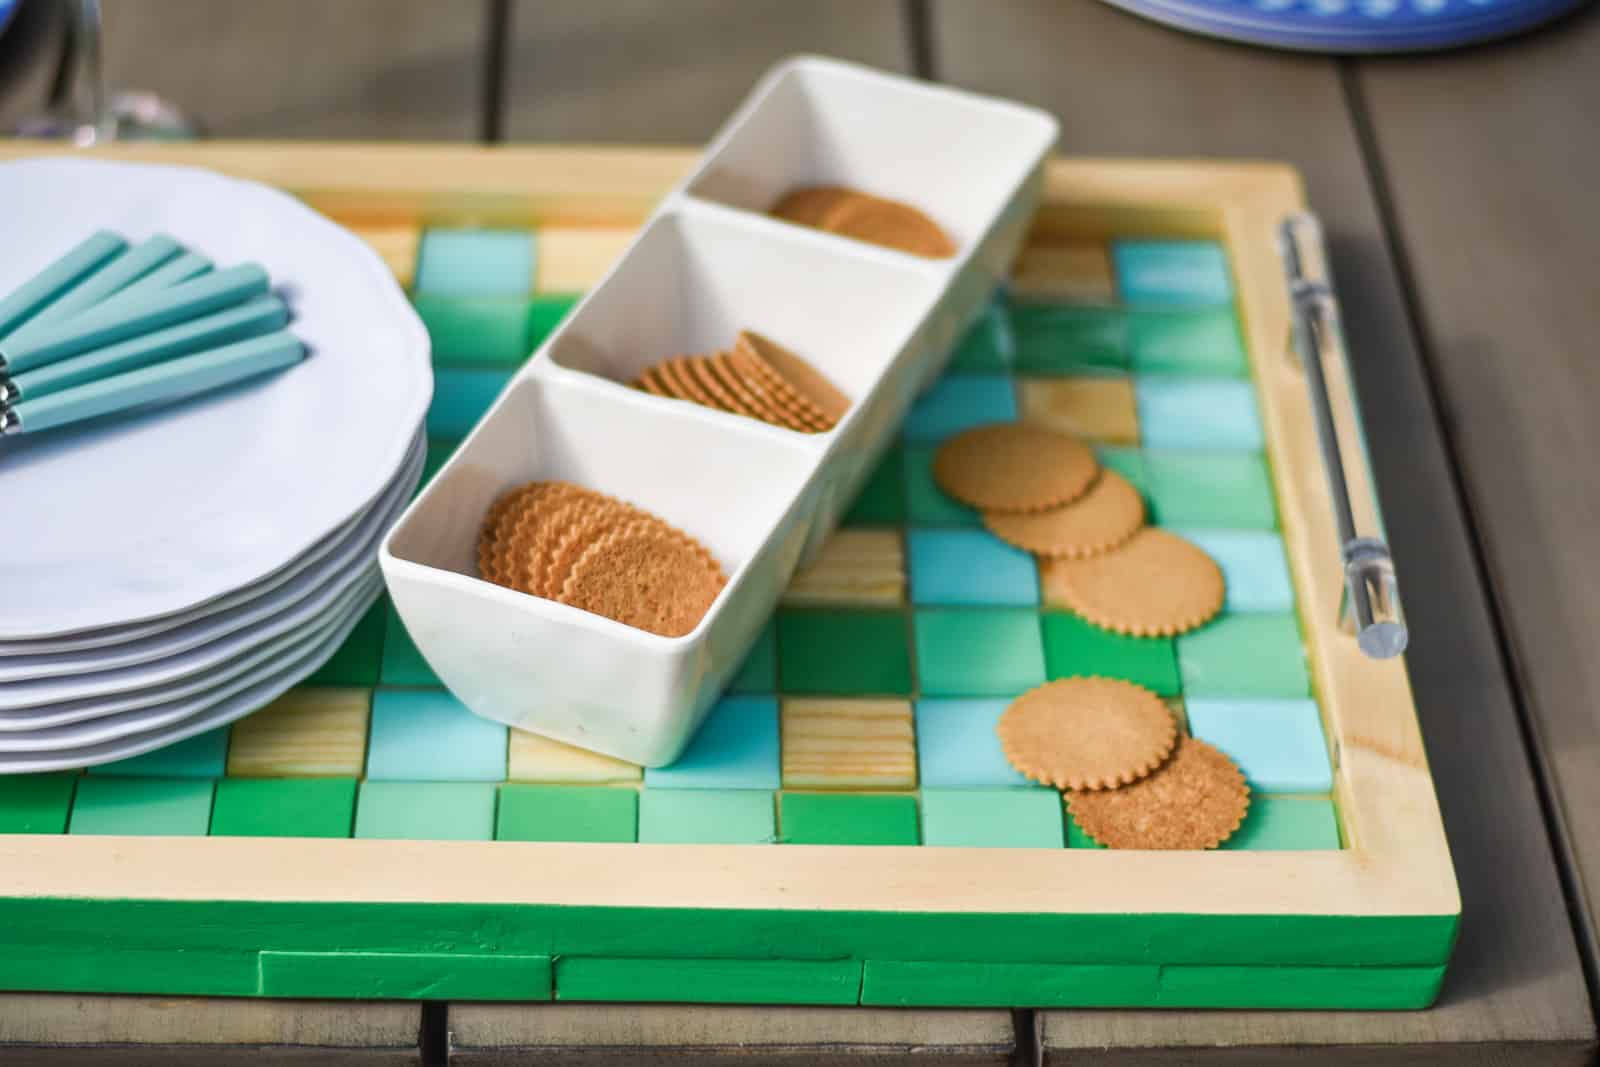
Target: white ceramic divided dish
{"points": [[140, 517], [709, 263]]}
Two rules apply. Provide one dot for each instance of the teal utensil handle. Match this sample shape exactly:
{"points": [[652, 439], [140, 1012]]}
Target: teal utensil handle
{"points": [[42, 288], [118, 319], [114, 275], [181, 269], [250, 319], [173, 380]]}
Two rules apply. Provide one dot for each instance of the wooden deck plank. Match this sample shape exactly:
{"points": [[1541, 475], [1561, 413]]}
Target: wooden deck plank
{"points": [[1124, 87], [645, 72], [1491, 161]]}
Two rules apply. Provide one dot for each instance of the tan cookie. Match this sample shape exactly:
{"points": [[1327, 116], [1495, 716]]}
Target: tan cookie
{"points": [[1087, 733], [809, 205], [645, 578], [1155, 584], [794, 408], [533, 527], [802, 376], [580, 520], [700, 367], [650, 382], [752, 399], [1102, 518], [890, 224], [573, 541], [675, 372], [499, 525], [1009, 466], [1197, 799]]}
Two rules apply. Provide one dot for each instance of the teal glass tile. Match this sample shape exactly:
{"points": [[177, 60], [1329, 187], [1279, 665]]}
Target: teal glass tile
{"points": [[1128, 462], [547, 312], [1197, 413], [1244, 656], [566, 813], [957, 747], [160, 807], [284, 807], [201, 756], [476, 330], [978, 652], [1227, 490], [402, 662], [35, 803], [843, 653], [882, 500], [847, 819], [735, 748], [472, 262], [1287, 823], [1278, 744], [461, 396], [1204, 342], [969, 567], [1255, 570], [707, 817], [428, 735], [993, 818], [357, 660], [1171, 272], [426, 811], [1066, 339], [986, 347], [759, 672], [926, 503], [959, 402]]}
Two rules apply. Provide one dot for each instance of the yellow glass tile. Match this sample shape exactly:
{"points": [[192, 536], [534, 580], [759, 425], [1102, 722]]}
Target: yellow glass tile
{"points": [[398, 247], [572, 260], [304, 733], [1099, 409], [848, 744], [539, 759], [1080, 273], [854, 567]]}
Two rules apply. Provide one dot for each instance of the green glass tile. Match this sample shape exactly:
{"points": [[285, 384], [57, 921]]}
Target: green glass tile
{"points": [[992, 818], [1199, 341], [846, 653], [926, 503], [1067, 339], [468, 330], [978, 652], [708, 981], [35, 803], [759, 672], [356, 663], [283, 807], [1074, 647], [426, 811], [984, 348], [142, 806], [1128, 462], [707, 817], [1244, 656], [566, 813], [1077, 837], [882, 501], [202, 756], [546, 313], [1287, 822], [1227, 490], [847, 819], [402, 663]]}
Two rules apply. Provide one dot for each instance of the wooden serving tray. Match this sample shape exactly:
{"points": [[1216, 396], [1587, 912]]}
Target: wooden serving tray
{"points": [[1365, 916]]}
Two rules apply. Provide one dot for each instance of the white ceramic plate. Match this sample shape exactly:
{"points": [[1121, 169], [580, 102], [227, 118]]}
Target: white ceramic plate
{"points": [[136, 518], [220, 714], [361, 541]]}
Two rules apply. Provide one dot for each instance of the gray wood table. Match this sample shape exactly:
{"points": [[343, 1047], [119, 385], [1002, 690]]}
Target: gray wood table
{"points": [[1455, 191]]}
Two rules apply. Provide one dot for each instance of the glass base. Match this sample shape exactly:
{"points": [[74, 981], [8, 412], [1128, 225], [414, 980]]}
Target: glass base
{"points": [[131, 116]]}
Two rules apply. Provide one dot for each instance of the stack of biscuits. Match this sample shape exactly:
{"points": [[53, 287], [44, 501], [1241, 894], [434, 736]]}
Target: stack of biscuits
{"points": [[873, 219], [757, 378], [582, 548]]}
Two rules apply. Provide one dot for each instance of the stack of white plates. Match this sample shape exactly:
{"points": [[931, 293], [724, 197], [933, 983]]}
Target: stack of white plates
{"points": [[167, 572]]}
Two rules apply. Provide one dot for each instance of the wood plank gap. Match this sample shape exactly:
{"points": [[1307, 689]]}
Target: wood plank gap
{"points": [[919, 39], [497, 37], [434, 1039], [1557, 829], [1027, 1048]]}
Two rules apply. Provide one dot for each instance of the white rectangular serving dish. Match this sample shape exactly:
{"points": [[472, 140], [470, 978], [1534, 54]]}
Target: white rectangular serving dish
{"points": [[707, 264]]}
